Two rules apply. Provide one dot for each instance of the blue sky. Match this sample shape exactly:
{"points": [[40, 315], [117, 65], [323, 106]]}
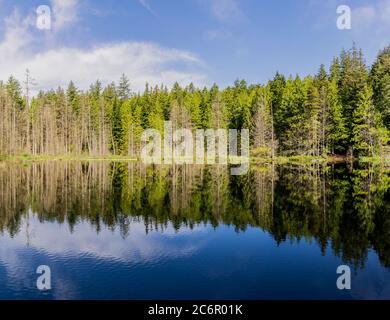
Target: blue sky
{"points": [[203, 41]]}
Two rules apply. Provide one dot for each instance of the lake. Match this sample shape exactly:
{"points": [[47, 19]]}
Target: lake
{"points": [[115, 230]]}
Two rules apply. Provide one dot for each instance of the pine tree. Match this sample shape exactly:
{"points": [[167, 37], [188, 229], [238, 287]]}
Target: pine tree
{"points": [[367, 135], [336, 134], [335, 70], [292, 118], [205, 105], [380, 80], [192, 101], [312, 124], [321, 82], [353, 79], [321, 77], [131, 111], [156, 115], [72, 97], [62, 121], [240, 111], [262, 123], [14, 91], [123, 90], [277, 87], [112, 114], [218, 119]]}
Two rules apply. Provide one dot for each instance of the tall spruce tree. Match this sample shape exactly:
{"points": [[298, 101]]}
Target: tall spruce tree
{"points": [[336, 134], [277, 87], [262, 123], [311, 123], [367, 134], [353, 80], [123, 90], [380, 80]]}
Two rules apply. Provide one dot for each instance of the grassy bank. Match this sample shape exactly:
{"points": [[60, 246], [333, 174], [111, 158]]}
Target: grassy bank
{"points": [[32, 158], [254, 160]]}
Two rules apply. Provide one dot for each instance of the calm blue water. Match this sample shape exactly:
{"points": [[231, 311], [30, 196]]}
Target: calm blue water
{"points": [[103, 245]]}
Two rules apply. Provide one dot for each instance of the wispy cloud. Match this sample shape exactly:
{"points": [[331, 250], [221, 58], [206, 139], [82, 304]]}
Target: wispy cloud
{"points": [[16, 36], [147, 6], [228, 11], [141, 61], [362, 16], [217, 34], [65, 13], [374, 13], [372, 20]]}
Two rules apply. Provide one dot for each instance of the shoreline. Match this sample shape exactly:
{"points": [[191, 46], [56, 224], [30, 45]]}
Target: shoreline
{"points": [[333, 159]]}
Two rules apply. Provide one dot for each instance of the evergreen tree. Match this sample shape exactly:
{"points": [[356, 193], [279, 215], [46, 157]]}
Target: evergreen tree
{"points": [[321, 82], [192, 101], [294, 123], [262, 123], [367, 134], [335, 70], [72, 96], [311, 125], [123, 90], [218, 118], [380, 80], [353, 79], [156, 114], [277, 87], [336, 134], [14, 91]]}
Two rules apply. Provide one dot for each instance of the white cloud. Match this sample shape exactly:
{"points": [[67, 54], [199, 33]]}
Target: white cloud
{"points": [[364, 16], [65, 13], [384, 11], [217, 34], [376, 14], [141, 61], [16, 37], [371, 23], [147, 6], [226, 10]]}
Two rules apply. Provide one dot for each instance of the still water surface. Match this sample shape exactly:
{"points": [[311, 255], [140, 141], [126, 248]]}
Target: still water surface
{"points": [[126, 231]]}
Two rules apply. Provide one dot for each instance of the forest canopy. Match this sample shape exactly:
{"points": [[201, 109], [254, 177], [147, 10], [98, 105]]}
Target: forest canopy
{"points": [[344, 110]]}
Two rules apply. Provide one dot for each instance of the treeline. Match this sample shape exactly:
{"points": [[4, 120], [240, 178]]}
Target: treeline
{"points": [[345, 110]]}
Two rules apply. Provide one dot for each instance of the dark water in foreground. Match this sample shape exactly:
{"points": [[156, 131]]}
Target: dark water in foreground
{"points": [[124, 231]]}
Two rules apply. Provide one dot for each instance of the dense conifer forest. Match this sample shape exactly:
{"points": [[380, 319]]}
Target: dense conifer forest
{"points": [[341, 111]]}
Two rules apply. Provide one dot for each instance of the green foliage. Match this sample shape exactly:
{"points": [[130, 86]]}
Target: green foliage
{"points": [[123, 90], [277, 87], [73, 97], [353, 79], [380, 80], [367, 136], [336, 133], [336, 113], [14, 91]]}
